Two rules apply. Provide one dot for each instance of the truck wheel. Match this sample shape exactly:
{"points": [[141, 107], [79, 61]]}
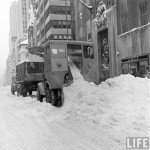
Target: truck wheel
{"points": [[57, 98], [23, 91], [39, 96], [53, 97], [60, 99]]}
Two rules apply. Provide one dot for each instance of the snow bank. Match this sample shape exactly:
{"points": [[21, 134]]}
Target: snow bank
{"points": [[94, 117], [108, 113]]}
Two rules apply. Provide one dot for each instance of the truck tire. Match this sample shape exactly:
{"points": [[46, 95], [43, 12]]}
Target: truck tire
{"points": [[24, 91], [57, 98], [39, 96], [60, 99], [53, 95]]}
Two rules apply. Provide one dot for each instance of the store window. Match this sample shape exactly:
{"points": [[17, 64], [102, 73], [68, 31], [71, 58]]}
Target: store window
{"points": [[143, 12]]}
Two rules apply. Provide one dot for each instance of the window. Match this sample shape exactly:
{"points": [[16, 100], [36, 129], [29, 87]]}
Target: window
{"points": [[69, 37], [69, 24], [88, 51], [59, 24], [55, 24], [55, 37], [60, 37], [65, 37], [68, 10], [143, 12], [58, 51], [64, 24], [63, 10], [35, 67], [124, 22]]}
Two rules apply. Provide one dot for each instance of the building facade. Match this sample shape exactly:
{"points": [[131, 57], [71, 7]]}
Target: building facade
{"points": [[54, 20], [133, 40], [124, 33], [14, 24], [23, 7]]}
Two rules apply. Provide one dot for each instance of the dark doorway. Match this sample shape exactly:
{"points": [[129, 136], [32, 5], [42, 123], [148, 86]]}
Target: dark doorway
{"points": [[103, 50]]}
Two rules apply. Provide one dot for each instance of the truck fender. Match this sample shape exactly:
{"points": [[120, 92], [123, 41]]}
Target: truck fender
{"points": [[41, 87]]}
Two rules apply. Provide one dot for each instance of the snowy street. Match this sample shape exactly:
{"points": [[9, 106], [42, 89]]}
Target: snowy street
{"points": [[92, 118]]}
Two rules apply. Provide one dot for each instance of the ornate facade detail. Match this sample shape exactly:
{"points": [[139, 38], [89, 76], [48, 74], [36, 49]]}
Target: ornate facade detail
{"points": [[101, 18]]}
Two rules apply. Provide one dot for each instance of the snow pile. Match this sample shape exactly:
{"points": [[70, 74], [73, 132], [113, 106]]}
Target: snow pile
{"points": [[110, 112], [94, 117]]}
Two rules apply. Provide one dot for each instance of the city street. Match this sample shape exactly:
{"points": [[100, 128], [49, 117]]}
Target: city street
{"points": [[92, 118]]}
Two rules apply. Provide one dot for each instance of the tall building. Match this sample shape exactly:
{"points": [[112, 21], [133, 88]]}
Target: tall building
{"points": [[14, 18], [23, 8], [54, 20], [32, 24], [18, 16], [14, 23]]}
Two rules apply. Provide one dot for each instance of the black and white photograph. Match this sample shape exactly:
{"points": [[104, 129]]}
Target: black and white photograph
{"points": [[75, 75]]}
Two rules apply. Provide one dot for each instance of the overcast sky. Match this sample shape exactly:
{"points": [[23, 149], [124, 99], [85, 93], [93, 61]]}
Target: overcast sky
{"points": [[4, 33]]}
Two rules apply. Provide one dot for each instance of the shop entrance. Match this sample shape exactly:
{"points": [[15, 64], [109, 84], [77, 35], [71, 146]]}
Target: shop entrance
{"points": [[135, 65], [103, 52]]}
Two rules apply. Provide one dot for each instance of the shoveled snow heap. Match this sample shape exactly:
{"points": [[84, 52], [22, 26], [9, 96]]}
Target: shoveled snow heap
{"points": [[110, 112], [92, 118]]}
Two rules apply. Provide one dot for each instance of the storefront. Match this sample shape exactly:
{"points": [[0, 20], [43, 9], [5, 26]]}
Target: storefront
{"points": [[136, 65]]}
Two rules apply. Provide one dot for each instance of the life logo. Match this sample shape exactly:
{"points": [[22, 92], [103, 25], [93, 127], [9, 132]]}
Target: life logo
{"points": [[137, 143]]}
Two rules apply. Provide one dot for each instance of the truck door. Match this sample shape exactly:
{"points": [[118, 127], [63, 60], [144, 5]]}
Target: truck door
{"points": [[90, 68]]}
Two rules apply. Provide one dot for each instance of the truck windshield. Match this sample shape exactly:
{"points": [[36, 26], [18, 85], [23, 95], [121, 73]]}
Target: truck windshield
{"points": [[58, 51], [74, 52], [35, 67]]}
